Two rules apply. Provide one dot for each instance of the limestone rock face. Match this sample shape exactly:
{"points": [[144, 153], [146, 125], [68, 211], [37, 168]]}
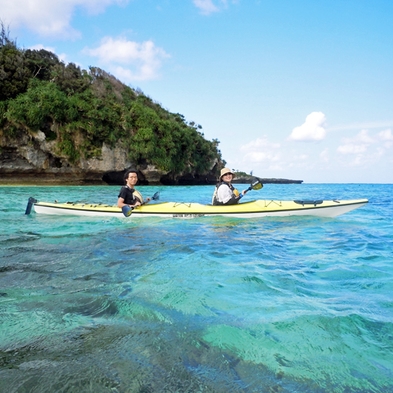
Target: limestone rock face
{"points": [[110, 160], [31, 158]]}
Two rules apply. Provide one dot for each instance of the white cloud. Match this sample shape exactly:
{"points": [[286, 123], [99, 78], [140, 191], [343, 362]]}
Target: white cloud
{"points": [[312, 129], [129, 60], [365, 150], [364, 137], [49, 17], [207, 7], [257, 157], [351, 148], [301, 157], [356, 145], [386, 136], [259, 143], [380, 152], [260, 150]]}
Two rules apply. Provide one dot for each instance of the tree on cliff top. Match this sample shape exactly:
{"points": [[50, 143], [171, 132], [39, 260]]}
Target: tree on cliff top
{"points": [[14, 74]]}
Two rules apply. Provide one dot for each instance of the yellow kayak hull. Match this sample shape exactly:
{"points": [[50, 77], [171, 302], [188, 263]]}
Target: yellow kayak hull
{"points": [[253, 209]]}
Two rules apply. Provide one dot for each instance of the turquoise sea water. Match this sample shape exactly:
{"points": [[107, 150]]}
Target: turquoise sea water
{"points": [[202, 305]]}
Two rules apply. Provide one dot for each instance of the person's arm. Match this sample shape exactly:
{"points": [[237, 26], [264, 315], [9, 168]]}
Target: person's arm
{"points": [[120, 202]]}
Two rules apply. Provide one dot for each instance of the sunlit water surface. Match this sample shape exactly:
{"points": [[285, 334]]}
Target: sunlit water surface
{"points": [[199, 305]]}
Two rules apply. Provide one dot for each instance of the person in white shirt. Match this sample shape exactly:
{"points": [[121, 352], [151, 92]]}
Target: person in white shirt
{"points": [[225, 193]]}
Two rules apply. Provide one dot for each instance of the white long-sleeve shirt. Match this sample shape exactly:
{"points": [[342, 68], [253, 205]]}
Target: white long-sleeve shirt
{"points": [[224, 193]]}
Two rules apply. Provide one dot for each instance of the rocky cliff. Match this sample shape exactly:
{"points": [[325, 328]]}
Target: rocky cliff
{"points": [[32, 159]]}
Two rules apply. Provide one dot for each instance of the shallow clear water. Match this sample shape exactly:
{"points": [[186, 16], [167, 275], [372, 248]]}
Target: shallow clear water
{"points": [[202, 305]]}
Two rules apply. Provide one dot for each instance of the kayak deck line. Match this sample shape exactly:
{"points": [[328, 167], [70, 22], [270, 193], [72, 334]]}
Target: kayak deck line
{"points": [[251, 209]]}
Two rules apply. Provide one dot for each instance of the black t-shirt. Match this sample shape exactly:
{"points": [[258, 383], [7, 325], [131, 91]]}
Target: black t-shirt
{"points": [[128, 195]]}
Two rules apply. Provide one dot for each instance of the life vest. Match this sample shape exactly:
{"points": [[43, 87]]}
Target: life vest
{"points": [[233, 189], [138, 195]]}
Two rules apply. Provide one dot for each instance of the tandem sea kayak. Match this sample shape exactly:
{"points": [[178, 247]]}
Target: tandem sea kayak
{"points": [[253, 209]]}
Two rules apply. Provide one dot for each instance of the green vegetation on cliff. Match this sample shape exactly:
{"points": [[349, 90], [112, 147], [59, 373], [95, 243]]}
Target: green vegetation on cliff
{"points": [[83, 109]]}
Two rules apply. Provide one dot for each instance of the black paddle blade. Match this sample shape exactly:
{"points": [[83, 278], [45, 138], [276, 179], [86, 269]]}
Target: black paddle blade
{"points": [[156, 196], [30, 204]]}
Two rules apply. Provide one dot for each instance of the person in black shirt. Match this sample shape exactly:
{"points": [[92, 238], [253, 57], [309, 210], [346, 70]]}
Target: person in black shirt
{"points": [[128, 196]]}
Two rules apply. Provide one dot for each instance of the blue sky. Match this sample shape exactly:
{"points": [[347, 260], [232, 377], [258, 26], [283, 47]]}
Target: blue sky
{"points": [[298, 89]]}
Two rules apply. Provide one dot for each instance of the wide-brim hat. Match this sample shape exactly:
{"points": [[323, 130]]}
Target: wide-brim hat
{"points": [[224, 171]]}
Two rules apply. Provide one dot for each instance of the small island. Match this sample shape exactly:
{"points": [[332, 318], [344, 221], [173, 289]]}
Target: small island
{"points": [[60, 124]]}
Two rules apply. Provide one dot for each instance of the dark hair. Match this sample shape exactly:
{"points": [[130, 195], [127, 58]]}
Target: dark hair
{"points": [[128, 172]]}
